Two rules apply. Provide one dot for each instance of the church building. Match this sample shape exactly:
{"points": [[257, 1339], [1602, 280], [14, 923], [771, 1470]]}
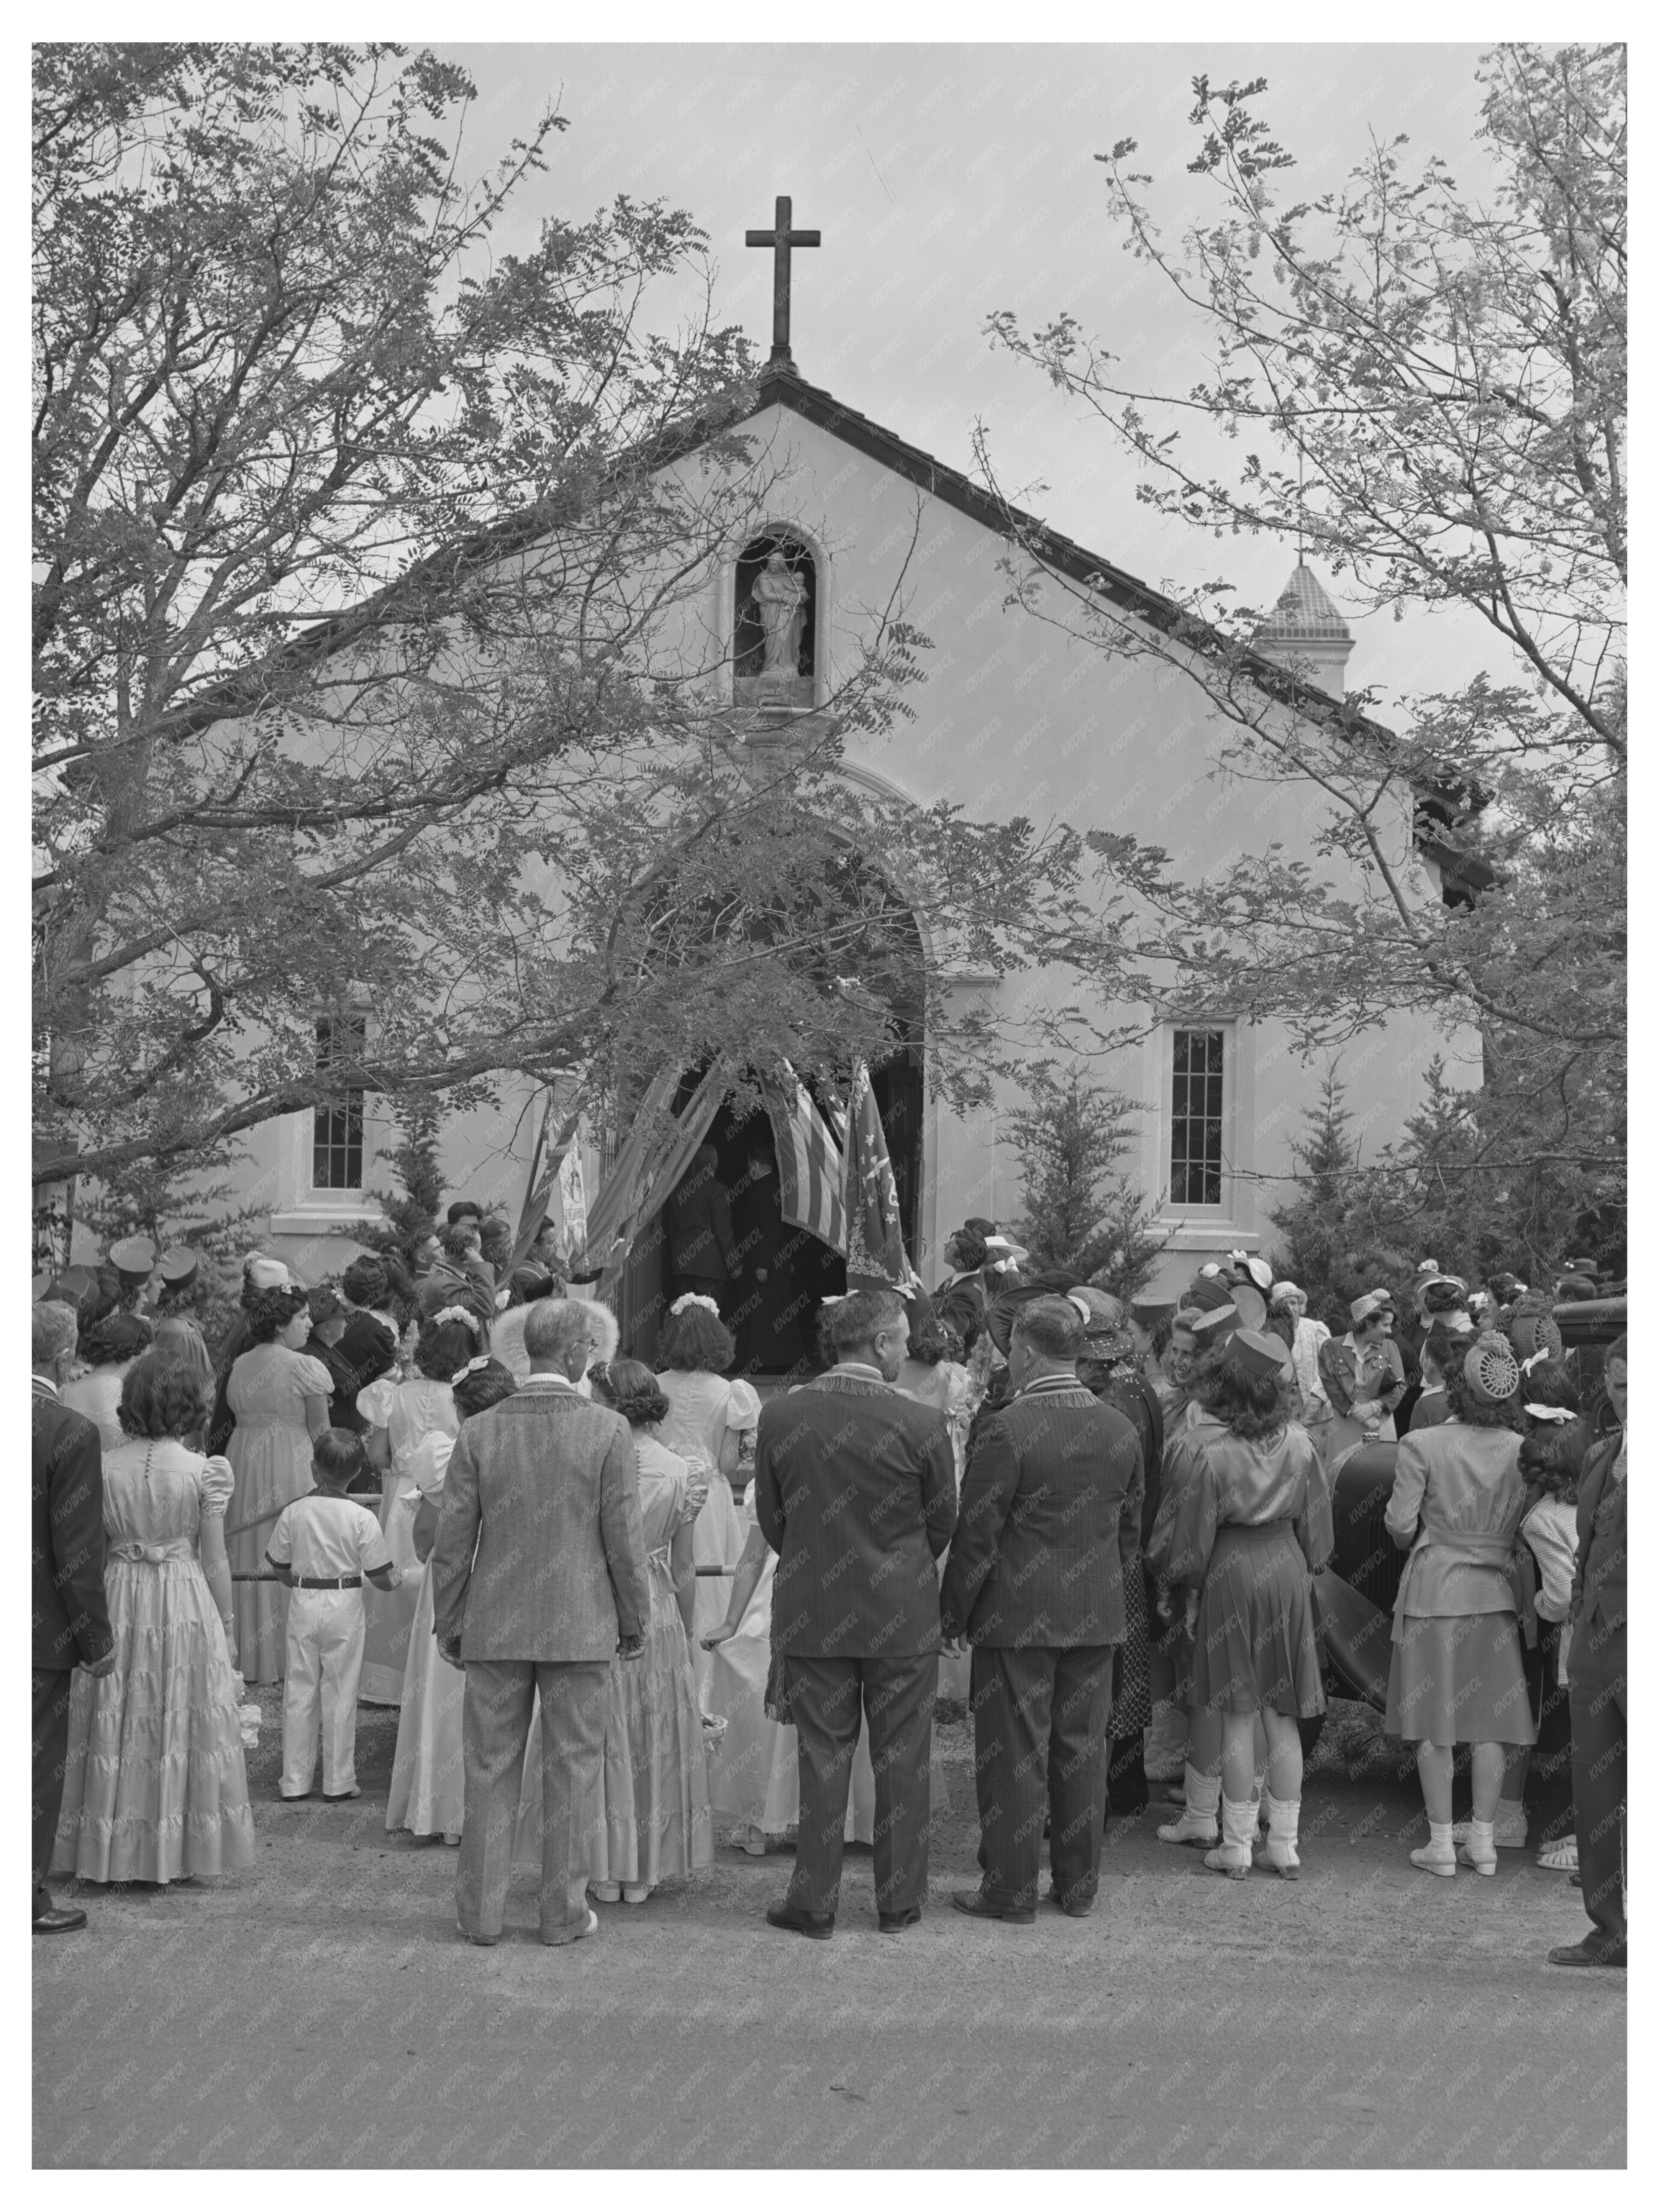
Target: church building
{"points": [[1012, 717]]}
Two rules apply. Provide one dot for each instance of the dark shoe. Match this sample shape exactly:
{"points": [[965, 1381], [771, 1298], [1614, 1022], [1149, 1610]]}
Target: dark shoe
{"points": [[891, 1924], [58, 1919], [1080, 1910], [976, 1904], [820, 1926], [1591, 1951], [341, 1796]]}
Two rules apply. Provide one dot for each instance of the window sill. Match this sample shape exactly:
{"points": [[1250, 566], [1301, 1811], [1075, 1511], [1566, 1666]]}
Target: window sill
{"points": [[326, 1210], [1187, 1232]]}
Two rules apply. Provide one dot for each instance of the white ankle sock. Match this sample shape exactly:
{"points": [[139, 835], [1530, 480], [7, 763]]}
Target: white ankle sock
{"points": [[1440, 1836], [1480, 1835]]}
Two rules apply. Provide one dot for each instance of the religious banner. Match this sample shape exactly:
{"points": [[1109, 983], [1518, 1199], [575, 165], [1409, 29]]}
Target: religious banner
{"points": [[573, 1194], [652, 1160], [876, 1257]]}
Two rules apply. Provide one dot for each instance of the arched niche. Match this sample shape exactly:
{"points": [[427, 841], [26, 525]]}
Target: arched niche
{"points": [[775, 622]]}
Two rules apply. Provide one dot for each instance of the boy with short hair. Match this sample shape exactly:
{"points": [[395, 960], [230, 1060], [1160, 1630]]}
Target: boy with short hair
{"points": [[322, 1547]]}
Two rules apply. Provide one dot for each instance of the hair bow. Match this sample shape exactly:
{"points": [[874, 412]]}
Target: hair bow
{"points": [[1536, 1360], [471, 1368], [1553, 1413]]}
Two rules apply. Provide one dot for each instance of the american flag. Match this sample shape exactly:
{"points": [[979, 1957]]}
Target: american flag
{"points": [[809, 1160]]}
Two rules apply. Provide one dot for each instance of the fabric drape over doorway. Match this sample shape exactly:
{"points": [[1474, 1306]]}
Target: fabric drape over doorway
{"points": [[651, 1162]]}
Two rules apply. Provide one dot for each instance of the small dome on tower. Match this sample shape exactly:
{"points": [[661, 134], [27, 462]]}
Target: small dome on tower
{"points": [[1305, 633]]}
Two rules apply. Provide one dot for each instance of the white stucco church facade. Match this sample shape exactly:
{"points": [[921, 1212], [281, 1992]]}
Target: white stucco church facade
{"points": [[1013, 716]]}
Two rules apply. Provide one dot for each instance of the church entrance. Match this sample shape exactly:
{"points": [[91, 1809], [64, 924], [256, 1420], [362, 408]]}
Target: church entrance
{"points": [[772, 1307]]}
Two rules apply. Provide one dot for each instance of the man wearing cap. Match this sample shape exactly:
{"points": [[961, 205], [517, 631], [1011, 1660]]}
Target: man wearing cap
{"points": [[1050, 1523]]}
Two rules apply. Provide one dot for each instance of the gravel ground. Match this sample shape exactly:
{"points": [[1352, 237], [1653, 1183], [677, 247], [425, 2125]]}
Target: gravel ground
{"points": [[320, 2010]]}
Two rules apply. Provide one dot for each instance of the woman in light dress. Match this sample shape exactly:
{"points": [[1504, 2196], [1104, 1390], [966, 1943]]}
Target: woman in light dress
{"points": [[279, 1395], [427, 1790], [1456, 1673], [1364, 1379], [154, 1787], [653, 1820], [933, 1376], [707, 1416], [399, 1413], [109, 1347]]}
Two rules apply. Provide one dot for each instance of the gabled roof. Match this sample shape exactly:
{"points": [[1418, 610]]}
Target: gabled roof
{"points": [[782, 386]]}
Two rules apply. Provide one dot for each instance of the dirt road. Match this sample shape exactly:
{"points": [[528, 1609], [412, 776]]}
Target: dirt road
{"points": [[321, 2011]]}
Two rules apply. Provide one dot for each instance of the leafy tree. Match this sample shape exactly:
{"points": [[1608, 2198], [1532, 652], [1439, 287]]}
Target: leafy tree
{"points": [[410, 1213], [367, 557], [1430, 394], [1082, 1214]]}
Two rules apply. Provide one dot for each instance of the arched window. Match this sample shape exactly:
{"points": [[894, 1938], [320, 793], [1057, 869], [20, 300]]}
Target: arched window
{"points": [[775, 623]]}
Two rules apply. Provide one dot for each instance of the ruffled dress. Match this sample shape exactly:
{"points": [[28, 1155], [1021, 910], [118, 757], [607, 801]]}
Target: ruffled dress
{"points": [[407, 1411], [655, 1820], [702, 1408], [154, 1787], [269, 1450], [427, 1786]]}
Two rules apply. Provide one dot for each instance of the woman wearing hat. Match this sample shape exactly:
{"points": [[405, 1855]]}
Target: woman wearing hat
{"points": [[959, 1302], [1240, 1541], [279, 1396], [1365, 1378], [1456, 1676]]}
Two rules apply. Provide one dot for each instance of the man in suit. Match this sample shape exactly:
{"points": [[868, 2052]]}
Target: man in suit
{"points": [[1050, 1521], [538, 1579], [702, 1253], [855, 1492], [71, 1616], [1597, 1695]]}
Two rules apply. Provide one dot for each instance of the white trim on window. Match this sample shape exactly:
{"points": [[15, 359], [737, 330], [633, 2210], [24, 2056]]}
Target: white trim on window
{"points": [[1234, 1210]]}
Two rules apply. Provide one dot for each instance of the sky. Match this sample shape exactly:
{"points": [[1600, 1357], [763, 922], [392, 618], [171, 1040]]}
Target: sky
{"points": [[949, 182]]}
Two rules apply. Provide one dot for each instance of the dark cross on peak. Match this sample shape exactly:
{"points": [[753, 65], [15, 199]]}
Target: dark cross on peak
{"points": [[781, 238]]}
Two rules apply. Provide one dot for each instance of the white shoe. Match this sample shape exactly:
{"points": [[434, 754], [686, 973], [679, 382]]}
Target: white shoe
{"points": [[754, 1842], [1508, 1829], [1278, 1854], [607, 1893], [1238, 1832], [1191, 1828], [1436, 1858], [453, 1841], [636, 1893]]}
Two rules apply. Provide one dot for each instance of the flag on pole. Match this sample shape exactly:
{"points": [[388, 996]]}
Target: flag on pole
{"points": [[650, 1164], [573, 1196], [876, 1258], [545, 1162], [810, 1165]]}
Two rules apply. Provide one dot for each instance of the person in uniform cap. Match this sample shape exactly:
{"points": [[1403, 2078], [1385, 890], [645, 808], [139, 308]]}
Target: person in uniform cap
{"points": [[1364, 1375]]}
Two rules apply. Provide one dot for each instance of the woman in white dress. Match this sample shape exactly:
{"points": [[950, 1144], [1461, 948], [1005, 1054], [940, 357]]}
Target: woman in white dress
{"points": [[654, 1816], [752, 1778], [932, 1376], [109, 1346], [707, 1416], [426, 1783], [399, 1413]]}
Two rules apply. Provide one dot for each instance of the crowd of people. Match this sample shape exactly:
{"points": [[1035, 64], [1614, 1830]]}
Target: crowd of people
{"points": [[620, 1607]]}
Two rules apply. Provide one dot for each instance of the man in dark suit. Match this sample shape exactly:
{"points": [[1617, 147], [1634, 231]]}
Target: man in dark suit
{"points": [[538, 1580], [1597, 1694], [1050, 1520], [855, 1492], [702, 1252], [70, 1617]]}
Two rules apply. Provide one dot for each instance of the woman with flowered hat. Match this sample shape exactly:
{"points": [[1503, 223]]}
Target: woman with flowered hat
{"points": [[1456, 1674]]}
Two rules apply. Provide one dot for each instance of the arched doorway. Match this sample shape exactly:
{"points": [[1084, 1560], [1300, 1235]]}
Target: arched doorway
{"points": [[772, 1308]]}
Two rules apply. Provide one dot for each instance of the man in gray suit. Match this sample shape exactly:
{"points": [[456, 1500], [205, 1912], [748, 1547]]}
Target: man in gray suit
{"points": [[1049, 1524], [538, 1578]]}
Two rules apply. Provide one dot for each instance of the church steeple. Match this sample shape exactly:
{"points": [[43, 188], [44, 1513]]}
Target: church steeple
{"points": [[1305, 632]]}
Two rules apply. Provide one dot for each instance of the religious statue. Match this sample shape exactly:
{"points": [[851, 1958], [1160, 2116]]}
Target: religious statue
{"points": [[779, 602]]}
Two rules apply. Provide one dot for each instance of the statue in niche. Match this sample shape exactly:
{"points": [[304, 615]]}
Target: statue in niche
{"points": [[778, 600]]}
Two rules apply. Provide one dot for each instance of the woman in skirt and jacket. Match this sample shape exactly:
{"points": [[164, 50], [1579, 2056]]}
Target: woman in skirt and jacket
{"points": [[1456, 1675], [1242, 1540]]}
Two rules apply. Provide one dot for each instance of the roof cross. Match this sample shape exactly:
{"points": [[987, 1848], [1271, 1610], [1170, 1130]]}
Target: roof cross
{"points": [[781, 238]]}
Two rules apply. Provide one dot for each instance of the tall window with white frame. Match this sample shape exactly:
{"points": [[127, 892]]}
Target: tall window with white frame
{"points": [[336, 1147], [1196, 1118]]}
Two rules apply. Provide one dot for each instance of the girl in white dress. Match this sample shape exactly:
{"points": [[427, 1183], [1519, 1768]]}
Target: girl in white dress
{"points": [[707, 1416], [427, 1791], [399, 1413]]}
